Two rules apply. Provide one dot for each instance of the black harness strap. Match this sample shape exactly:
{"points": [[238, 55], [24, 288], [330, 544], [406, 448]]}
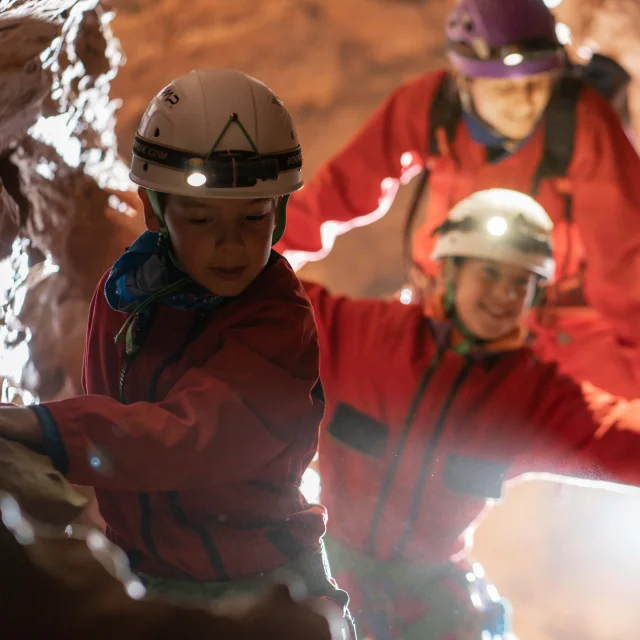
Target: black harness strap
{"points": [[445, 114], [559, 132]]}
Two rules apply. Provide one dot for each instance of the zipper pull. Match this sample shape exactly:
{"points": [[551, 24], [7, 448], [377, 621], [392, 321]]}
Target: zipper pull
{"points": [[131, 346]]}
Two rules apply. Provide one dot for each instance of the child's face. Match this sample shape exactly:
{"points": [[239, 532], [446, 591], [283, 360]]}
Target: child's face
{"points": [[222, 244], [512, 106], [491, 297]]}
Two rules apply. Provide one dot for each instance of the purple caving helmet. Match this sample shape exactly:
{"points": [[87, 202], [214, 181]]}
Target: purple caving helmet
{"points": [[503, 38]]}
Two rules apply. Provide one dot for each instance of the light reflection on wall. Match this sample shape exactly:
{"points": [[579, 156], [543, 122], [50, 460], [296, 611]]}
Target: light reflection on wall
{"points": [[311, 486], [15, 280]]}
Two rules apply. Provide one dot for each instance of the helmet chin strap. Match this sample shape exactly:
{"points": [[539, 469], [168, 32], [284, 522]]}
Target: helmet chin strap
{"points": [[281, 219], [470, 340], [165, 239]]}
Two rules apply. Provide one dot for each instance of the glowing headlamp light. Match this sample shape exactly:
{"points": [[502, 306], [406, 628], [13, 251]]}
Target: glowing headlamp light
{"points": [[194, 174], [513, 59], [497, 226]]}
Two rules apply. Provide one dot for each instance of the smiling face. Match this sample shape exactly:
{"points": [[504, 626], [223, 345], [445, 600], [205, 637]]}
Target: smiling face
{"points": [[222, 244], [492, 297], [512, 106]]}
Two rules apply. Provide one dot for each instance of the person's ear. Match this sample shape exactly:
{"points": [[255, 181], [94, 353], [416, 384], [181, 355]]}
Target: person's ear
{"points": [[150, 217]]}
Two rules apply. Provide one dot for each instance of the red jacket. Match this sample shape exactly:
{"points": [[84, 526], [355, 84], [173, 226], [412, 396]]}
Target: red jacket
{"points": [[417, 439], [358, 185], [197, 470]]}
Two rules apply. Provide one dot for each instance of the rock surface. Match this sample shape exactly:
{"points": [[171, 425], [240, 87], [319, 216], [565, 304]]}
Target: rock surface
{"points": [[65, 210], [79, 586], [38, 487]]}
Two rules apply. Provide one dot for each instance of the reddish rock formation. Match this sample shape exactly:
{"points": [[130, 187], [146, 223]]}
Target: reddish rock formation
{"points": [[65, 213], [59, 581]]}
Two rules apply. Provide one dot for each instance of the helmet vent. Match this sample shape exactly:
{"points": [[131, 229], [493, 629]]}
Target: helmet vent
{"points": [[156, 133], [145, 166]]}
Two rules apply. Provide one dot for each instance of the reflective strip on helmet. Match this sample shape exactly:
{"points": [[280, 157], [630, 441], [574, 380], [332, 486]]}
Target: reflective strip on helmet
{"points": [[517, 233], [532, 51], [223, 168]]}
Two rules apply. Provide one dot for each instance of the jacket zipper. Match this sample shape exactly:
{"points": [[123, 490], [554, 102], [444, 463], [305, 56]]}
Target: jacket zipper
{"points": [[393, 469], [123, 374], [198, 325], [430, 452], [144, 504]]}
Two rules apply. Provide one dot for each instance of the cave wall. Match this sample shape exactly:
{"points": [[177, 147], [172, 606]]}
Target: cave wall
{"points": [[65, 206]]}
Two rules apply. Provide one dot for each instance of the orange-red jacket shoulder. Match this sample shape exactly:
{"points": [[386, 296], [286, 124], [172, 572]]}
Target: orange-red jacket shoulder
{"points": [[417, 438], [357, 186], [196, 448]]}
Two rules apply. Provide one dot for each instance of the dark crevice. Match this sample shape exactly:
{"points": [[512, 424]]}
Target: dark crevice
{"points": [[10, 176]]}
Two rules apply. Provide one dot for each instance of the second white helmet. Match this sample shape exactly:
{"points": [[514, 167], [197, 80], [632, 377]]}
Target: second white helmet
{"points": [[217, 133], [501, 225]]}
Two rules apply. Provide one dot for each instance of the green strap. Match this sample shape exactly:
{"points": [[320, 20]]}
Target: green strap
{"points": [[154, 199], [281, 221], [232, 118], [128, 328], [450, 311]]}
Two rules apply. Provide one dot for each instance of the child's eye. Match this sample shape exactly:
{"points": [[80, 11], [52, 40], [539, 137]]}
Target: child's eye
{"points": [[491, 272], [199, 221], [256, 217]]}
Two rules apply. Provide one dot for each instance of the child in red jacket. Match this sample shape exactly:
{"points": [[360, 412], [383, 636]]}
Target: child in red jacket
{"points": [[429, 415], [201, 417]]}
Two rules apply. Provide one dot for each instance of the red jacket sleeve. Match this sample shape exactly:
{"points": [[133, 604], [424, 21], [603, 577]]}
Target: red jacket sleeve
{"points": [[220, 424], [99, 292], [587, 434], [358, 185], [349, 331], [606, 206]]}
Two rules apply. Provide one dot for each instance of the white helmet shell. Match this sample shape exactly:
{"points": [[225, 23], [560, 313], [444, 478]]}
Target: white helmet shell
{"points": [[183, 122], [493, 218]]}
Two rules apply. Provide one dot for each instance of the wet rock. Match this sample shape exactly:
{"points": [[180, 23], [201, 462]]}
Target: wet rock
{"points": [[65, 194]]}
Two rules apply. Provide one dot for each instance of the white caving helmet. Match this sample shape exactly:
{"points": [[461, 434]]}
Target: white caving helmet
{"points": [[502, 225], [217, 133]]}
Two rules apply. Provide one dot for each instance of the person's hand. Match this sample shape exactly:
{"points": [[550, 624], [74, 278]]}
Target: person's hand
{"points": [[609, 410], [418, 288]]}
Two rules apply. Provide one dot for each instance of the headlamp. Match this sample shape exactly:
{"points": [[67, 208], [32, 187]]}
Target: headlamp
{"points": [[517, 232]]}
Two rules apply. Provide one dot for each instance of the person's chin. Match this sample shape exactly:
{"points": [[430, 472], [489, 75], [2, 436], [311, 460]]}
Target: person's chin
{"points": [[227, 289], [227, 283], [490, 332], [521, 131]]}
